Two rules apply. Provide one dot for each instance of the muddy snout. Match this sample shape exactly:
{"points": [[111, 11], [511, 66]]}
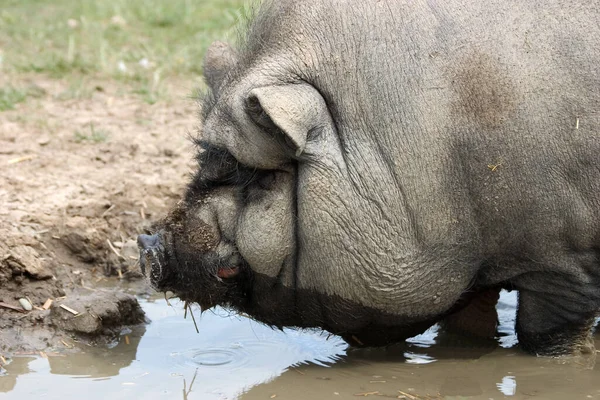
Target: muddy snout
{"points": [[152, 257]]}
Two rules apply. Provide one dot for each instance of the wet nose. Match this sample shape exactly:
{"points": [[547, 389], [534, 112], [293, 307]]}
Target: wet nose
{"points": [[147, 241]]}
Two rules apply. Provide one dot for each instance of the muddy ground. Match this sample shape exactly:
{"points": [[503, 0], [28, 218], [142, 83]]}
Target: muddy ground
{"points": [[79, 179]]}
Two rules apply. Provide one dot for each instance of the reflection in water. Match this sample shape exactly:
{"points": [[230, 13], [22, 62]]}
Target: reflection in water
{"points": [[17, 366], [186, 391], [508, 386], [99, 363], [229, 356], [235, 357]]}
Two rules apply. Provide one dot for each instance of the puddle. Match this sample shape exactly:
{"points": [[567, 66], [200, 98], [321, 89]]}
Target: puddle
{"points": [[233, 357]]}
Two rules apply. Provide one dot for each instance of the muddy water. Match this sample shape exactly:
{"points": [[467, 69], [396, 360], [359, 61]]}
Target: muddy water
{"points": [[233, 357]]}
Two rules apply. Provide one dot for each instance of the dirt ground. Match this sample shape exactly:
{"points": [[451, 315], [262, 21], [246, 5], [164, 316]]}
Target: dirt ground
{"points": [[79, 179]]}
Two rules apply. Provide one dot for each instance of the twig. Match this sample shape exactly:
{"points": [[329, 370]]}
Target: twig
{"points": [[11, 307], [47, 304], [69, 309]]}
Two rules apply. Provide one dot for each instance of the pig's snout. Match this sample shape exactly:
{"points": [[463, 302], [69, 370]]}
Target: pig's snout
{"points": [[146, 242], [152, 257]]}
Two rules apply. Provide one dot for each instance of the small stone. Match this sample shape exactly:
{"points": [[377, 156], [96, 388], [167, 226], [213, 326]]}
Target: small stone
{"points": [[25, 304], [44, 140], [144, 63], [72, 23], [122, 67]]}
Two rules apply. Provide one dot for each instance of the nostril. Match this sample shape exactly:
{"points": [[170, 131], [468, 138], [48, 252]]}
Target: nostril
{"points": [[148, 241]]}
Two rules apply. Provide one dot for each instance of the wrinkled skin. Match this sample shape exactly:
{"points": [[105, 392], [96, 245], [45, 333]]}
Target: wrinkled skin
{"points": [[372, 168]]}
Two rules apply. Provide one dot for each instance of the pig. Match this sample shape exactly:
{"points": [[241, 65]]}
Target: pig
{"points": [[372, 168]]}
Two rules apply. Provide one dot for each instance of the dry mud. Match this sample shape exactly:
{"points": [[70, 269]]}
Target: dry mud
{"points": [[79, 180]]}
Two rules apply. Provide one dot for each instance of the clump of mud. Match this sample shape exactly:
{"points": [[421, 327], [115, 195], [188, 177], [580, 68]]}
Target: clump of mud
{"points": [[96, 314], [39, 311], [71, 210]]}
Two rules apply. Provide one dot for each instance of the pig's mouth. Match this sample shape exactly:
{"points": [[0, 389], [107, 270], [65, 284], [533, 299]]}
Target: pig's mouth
{"points": [[205, 278]]}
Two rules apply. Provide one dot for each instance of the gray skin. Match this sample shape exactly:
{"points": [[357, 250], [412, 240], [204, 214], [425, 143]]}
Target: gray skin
{"points": [[374, 167]]}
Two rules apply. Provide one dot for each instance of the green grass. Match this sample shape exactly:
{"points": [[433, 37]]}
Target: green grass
{"points": [[93, 136], [10, 95], [137, 41]]}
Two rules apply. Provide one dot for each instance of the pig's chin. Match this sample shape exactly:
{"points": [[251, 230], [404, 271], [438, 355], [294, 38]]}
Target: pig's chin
{"points": [[202, 278]]}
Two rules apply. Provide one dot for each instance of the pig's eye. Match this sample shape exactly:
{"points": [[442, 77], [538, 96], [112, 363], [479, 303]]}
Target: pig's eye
{"points": [[219, 167], [266, 180], [259, 116]]}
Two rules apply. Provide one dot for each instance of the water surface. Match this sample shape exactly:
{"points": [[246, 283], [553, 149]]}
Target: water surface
{"points": [[233, 357]]}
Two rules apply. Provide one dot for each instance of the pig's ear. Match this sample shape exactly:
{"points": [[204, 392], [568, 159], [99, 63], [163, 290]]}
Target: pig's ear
{"points": [[218, 60], [295, 110]]}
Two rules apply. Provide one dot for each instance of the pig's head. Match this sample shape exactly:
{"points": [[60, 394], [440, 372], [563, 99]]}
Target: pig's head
{"points": [[238, 214], [276, 224]]}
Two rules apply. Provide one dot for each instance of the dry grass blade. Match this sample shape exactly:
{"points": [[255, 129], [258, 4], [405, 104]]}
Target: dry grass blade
{"points": [[21, 159], [185, 308], [108, 210], [298, 371], [167, 300], [407, 395], [357, 340], [194, 319], [365, 394], [186, 392], [114, 249]]}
